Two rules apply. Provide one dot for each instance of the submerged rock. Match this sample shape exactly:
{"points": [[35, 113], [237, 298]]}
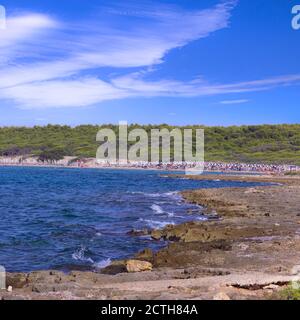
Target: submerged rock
{"points": [[143, 232]]}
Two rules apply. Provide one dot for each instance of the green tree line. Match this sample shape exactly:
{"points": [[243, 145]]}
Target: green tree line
{"points": [[259, 143]]}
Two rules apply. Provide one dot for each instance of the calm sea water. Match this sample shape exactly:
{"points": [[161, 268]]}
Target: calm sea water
{"points": [[67, 219]]}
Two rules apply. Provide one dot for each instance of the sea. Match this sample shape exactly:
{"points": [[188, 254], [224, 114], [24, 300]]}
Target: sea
{"points": [[79, 219]]}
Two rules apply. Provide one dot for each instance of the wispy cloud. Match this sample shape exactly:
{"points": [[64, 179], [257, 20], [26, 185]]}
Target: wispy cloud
{"points": [[24, 27], [50, 63], [100, 43], [237, 101], [22, 35], [135, 84]]}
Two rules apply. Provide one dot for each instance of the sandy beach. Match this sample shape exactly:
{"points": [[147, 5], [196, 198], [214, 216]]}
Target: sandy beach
{"points": [[250, 252], [92, 163]]}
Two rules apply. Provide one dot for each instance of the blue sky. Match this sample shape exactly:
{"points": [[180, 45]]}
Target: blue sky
{"points": [[210, 62]]}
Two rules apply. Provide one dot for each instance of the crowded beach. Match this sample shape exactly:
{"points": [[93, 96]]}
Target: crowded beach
{"points": [[74, 162]]}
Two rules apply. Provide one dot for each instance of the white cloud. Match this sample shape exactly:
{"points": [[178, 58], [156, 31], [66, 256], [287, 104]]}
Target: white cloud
{"points": [[78, 93], [43, 59], [135, 84], [89, 91], [20, 29], [47, 63], [22, 37], [238, 101], [92, 44]]}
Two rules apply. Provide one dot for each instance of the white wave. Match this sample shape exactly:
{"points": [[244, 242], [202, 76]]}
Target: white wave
{"points": [[201, 218], [102, 264], [170, 214], [175, 195], [157, 195], [79, 255], [171, 193], [153, 195], [147, 194], [156, 224], [98, 234], [157, 209]]}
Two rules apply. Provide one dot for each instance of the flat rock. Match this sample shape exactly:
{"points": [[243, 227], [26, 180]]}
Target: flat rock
{"points": [[221, 296], [138, 266], [146, 254]]}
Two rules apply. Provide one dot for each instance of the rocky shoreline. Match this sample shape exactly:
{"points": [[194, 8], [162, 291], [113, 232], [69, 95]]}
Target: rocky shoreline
{"points": [[250, 252]]}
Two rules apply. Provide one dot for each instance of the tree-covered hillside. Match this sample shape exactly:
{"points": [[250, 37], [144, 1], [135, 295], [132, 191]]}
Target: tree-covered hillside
{"points": [[262, 143]]}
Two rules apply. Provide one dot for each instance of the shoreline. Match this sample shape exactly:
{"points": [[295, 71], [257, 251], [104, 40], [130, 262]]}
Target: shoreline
{"points": [[224, 172], [234, 247], [93, 163]]}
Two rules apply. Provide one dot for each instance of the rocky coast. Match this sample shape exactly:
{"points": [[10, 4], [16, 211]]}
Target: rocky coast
{"points": [[247, 249]]}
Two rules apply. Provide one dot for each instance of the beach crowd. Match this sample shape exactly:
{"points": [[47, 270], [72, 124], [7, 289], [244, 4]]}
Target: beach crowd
{"points": [[208, 166]]}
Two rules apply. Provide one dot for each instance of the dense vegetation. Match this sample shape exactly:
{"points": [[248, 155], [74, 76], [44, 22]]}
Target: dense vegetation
{"points": [[263, 143]]}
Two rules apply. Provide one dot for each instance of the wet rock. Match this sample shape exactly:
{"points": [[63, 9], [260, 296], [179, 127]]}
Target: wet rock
{"points": [[118, 266], [196, 235], [185, 254], [16, 280], [137, 233], [156, 234], [138, 266], [146, 254], [192, 232], [175, 233]]}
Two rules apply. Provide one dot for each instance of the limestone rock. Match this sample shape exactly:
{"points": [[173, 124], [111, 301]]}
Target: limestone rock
{"points": [[271, 287], [146, 254], [16, 280], [138, 266], [221, 296], [156, 234]]}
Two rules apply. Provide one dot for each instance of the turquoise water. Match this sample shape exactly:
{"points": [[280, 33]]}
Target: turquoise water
{"points": [[55, 218]]}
